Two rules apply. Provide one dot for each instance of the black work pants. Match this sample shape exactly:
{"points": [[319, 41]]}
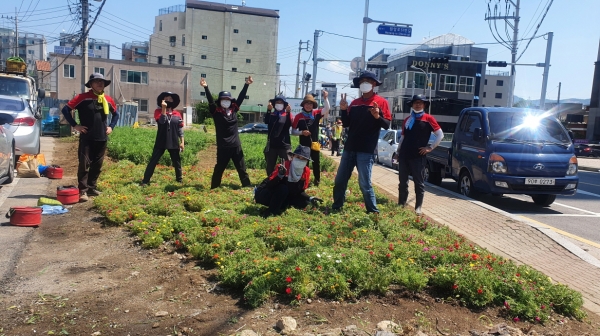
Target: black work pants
{"points": [[91, 156], [315, 156], [157, 153], [278, 199], [416, 168], [335, 147], [224, 154], [272, 155]]}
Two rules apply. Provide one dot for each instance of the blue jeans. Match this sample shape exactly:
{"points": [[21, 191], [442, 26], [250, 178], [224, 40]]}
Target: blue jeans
{"points": [[364, 164]]}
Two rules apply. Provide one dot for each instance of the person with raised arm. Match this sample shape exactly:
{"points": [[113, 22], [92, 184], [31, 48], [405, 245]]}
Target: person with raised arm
{"points": [[279, 122]]}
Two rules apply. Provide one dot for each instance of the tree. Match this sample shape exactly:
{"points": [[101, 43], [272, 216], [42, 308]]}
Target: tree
{"points": [[202, 111]]}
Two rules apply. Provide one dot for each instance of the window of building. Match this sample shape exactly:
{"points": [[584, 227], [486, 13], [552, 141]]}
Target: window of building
{"points": [[233, 87], [159, 59], [171, 59], [448, 83], [30, 52], [204, 37], [203, 75], [173, 40], [247, 97], [142, 104], [203, 93], [500, 82], [99, 47], [401, 80], [136, 77], [235, 31], [234, 69], [485, 82], [248, 60], [99, 70], [203, 57], [484, 94], [235, 49], [465, 84], [175, 18], [183, 40], [69, 71], [140, 60], [498, 95], [248, 41], [182, 59], [160, 25], [419, 80]]}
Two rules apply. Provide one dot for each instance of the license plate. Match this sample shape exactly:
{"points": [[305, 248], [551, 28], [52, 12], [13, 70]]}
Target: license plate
{"points": [[539, 181]]}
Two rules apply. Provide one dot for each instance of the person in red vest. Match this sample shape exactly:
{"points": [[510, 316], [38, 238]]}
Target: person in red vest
{"points": [[93, 108]]}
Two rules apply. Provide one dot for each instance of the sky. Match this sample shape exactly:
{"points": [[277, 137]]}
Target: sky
{"points": [[575, 47]]}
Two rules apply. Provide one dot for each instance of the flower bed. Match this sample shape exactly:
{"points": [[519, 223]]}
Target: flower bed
{"points": [[310, 252]]}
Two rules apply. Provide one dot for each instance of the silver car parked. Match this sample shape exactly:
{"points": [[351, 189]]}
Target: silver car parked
{"points": [[26, 126], [8, 158]]}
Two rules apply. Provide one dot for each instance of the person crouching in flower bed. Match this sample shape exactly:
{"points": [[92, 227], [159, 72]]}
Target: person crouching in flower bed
{"points": [[169, 135], [287, 184]]}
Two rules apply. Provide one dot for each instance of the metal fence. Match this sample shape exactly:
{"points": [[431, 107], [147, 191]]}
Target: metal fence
{"points": [[128, 114]]}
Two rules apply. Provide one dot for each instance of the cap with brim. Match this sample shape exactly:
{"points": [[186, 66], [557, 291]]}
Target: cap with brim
{"points": [[421, 98], [97, 76], [301, 151], [282, 98], [366, 74], [163, 95], [309, 99]]}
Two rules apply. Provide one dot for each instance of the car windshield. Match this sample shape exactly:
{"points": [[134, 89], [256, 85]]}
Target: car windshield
{"points": [[382, 133], [11, 105], [522, 126], [16, 87]]}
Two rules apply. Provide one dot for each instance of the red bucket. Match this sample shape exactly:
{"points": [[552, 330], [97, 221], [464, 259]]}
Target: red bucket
{"points": [[25, 216], [67, 195], [54, 172]]}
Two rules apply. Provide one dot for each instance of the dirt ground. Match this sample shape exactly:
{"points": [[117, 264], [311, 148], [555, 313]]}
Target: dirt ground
{"points": [[78, 276]]}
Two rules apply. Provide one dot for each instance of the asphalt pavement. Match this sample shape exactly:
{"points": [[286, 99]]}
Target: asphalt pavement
{"points": [[21, 192]]}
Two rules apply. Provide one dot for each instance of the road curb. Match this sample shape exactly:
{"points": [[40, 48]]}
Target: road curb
{"points": [[592, 169]]}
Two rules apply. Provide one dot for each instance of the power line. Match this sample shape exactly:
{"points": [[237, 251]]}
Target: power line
{"points": [[536, 29]]}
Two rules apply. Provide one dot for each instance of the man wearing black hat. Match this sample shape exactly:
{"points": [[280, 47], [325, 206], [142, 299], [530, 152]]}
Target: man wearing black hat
{"points": [[224, 112], [364, 117], [169, 135], [278, 137], [287, 184], [93, 108], [416, 130]]}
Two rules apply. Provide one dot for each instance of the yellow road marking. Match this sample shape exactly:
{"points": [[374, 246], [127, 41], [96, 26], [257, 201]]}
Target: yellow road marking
{"points": [[564, 233]]}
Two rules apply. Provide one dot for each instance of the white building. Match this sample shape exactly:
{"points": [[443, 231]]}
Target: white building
{"points": [[97, 48], [32, 47], [223, 44], [496, 87]]}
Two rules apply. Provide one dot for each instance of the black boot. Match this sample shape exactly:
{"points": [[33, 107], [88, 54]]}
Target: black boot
{"points": [[419, 203], [402, 198]]}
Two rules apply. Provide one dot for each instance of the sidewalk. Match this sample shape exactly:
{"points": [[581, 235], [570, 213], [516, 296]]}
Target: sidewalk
{"points": [[505, 235], [589, 164], [21, 192]]}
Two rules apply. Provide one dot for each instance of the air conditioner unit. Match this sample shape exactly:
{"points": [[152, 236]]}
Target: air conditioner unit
{"points": [[173, 44], [392, 68]]}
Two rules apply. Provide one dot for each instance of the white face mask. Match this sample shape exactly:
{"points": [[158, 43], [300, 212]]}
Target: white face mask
{"points": [[279, 107], [417, 112], [366, 87], [225, 103], [296, 169]]}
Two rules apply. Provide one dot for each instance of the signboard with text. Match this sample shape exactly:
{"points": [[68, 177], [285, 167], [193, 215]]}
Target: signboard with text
{"points": [[394, 30]]}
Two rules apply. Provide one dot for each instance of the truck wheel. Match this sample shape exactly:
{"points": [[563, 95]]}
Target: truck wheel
{"points": [[543, 200], [465, 184]]}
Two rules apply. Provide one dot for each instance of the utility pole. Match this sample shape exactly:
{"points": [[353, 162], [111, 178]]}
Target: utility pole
{"points": [[546, 70], [513, 44], [558, 99], [16, 50], [364, 41], [297, 88], [84, 43], [303, 79], [315, 62]]}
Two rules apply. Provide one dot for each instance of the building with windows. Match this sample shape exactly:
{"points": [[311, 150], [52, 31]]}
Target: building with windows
{"points": [[97, 48], [496, 88], [131, 81], [32, 48], [222, 43], [135, 51]]}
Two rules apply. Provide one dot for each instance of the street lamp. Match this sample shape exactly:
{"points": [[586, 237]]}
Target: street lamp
{"points": [[428, 75], [259, 111]]}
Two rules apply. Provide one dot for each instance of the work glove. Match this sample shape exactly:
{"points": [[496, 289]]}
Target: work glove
{"points": [[281, 171], [315, 200]]}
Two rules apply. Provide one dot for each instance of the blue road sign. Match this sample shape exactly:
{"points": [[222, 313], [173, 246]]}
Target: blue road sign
{"points": [[394, 30]]}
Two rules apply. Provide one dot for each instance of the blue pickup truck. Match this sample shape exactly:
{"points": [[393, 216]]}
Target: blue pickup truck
{"points": [[507, 151]]}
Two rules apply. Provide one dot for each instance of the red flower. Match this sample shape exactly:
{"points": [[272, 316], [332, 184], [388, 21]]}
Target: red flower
{"points": [[543, 307], [298, 268], [371, 252], [518, 274], [480, 291], [298, 297], [288, 291], [516, 319], [454, 287], [319, 267], [506, 305], [391, 247], [288, 279], [388, 255]]}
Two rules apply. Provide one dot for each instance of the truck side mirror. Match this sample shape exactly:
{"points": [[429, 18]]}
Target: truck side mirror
{"points": [[41, 93], [477, 134]]}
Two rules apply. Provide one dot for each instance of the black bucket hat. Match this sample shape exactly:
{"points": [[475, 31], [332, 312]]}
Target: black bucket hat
{"points": [[163, 95], [365, 74], [97, 76], [272, 101], [302, 151], [422, 98]]}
